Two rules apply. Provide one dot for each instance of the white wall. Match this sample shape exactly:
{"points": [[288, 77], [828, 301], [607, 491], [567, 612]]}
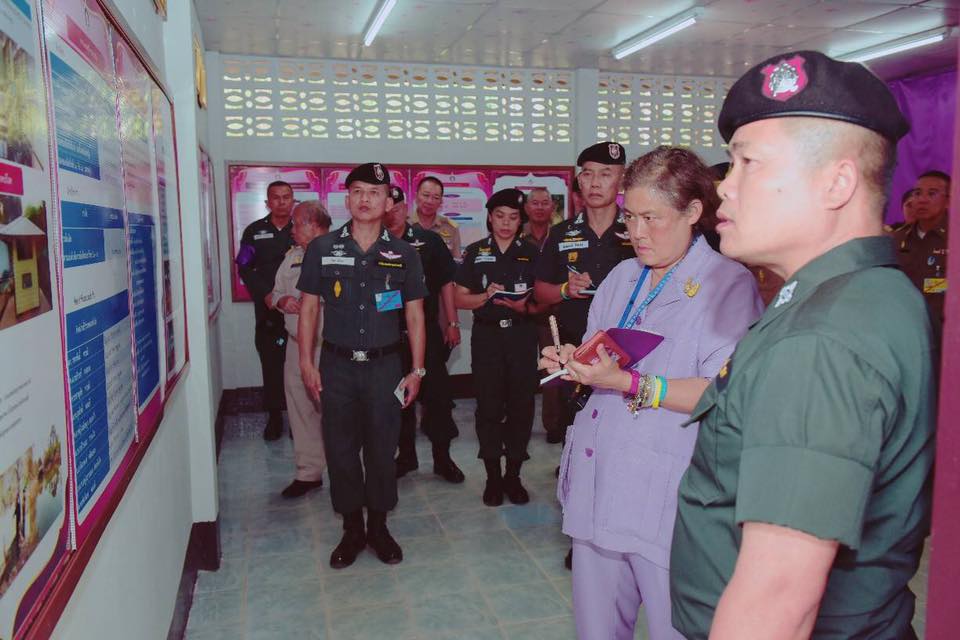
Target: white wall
{"points": [[129, 586]]}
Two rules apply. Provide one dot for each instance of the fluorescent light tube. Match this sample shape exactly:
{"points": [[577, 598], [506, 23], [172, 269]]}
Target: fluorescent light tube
{"points": [[896, 46], [663, 30], [385, 8]]}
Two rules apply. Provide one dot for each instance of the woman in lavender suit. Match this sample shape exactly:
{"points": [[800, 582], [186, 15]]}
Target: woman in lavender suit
{"points": [[629, 446]]}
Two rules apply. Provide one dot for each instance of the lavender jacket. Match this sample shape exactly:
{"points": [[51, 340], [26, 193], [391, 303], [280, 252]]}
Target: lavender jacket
{"points": [[619, 473]]}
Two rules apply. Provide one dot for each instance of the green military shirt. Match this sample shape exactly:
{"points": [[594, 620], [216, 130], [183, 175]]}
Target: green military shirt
{"points": [[822, 421]]}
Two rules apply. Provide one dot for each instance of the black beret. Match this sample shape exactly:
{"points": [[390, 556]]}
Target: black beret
{"points": [[513, 198], [604, 153], [808, 83], [396, 194], [371, 173]]}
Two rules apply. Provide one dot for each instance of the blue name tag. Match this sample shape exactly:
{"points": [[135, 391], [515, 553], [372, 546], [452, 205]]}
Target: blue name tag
{"points": [[388, 301]]}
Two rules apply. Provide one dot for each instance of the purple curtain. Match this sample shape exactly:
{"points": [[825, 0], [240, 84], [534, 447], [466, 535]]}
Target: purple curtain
{"points": [[929, 103]]}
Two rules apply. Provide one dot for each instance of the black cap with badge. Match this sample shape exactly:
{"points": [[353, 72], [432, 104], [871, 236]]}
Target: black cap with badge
{"points": [[811, 84], [371, 173], [604, 153], [513, 198]]}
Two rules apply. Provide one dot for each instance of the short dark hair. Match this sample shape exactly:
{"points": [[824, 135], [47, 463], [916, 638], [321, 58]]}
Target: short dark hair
{"points": [[278, 183], [933, 173], [432, 179], [678, 174]]}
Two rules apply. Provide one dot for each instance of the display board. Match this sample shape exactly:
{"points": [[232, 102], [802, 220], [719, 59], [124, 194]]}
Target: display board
{"points": [[91, 284], [211, 236], [466, 189], [34, 533]]}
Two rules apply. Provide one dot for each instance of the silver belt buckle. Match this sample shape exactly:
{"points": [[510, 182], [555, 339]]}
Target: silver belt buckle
{"points": [[506, 323], [359, 356]]}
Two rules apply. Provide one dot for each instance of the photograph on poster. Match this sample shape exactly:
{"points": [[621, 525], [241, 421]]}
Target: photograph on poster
{"points": [[29, 504], [24, 261], [20, 113]]}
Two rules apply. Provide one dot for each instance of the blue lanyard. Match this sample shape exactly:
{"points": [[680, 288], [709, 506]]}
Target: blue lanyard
{"points": [[624, 324]]}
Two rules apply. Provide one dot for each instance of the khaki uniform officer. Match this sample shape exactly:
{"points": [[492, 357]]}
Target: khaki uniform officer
{"points": [[805, 506], [429, 197], [366, 279], [922, 244], [310, 220]]}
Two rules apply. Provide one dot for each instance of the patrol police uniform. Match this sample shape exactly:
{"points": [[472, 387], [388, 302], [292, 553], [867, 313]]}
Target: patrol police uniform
{"points": [[262, 249], [503, 349], [435, 393], [924, 260], [363, 295], [822, 421]]}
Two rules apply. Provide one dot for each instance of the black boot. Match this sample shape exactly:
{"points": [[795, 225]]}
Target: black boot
{"points": [[274, 428], [443, 464], [354, 541], [406, 462], [380, 540], [511, 484], [493, 491]]}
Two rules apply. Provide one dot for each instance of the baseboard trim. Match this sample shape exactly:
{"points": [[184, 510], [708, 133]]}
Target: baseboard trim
{"points": [[203, 553]]}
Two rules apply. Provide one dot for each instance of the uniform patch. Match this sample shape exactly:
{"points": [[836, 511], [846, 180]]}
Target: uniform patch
{"points": [[390, 255], [388, 301], [572, 256], [785, 79], [623, 235], [723, 376], [520, 287], [691, 288], [417, 243], [263, 235], [572, 232], [786, 294], [338, 253], [337, 289], [338, 260], [392, 265], [484, 257], [523, 259], [934, 285], [567, 246]]}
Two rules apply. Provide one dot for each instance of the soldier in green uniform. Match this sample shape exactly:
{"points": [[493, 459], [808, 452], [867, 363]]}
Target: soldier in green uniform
{"points": [[805, 507]]}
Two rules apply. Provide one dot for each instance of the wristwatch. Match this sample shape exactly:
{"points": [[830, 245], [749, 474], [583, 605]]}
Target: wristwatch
{"points": [[420, 373]]}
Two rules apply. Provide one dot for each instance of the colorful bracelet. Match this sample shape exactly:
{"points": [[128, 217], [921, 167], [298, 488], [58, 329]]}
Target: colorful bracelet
{"points": [[657, 392], [663, 392], [634, 383], [563, 291]]}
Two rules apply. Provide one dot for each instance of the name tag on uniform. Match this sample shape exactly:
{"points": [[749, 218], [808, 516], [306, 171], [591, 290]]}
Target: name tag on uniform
{"points": [[934, 285], [388, 301], [263, 235], [342, 261], [520, 287], [391, 265], [567, 246], [484, 258]]}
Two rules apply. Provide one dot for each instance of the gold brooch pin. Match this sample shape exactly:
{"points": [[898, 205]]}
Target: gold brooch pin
{"points": [[691, 288], [337, 289]]}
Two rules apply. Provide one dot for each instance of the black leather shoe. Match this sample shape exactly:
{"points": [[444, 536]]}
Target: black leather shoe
{"points": [[448, 470], [406, 465], [383, 544], [568, 561], [515, 491], [299, 487], [351, 544], [555, 436], [493, 493], [274, 428]]}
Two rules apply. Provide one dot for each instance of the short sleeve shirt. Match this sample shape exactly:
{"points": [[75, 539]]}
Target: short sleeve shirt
{"points": [[438, 265], [573, 243], [822, 421], [363, 292], [448, 231], [484, 264]]}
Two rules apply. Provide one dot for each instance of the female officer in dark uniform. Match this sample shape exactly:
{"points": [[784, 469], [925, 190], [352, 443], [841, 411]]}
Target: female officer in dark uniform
{"points": [[504, 343]]}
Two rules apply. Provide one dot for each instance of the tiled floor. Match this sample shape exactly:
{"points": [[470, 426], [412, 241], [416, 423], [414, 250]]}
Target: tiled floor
{"points": [[469, 571]]}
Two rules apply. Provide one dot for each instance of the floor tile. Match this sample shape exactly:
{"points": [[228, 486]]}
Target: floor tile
{"points": [[232, 574], [370, 623], [501, 569], [282, 570], [217, 609], [526, 602], [364, 589], [429, 580], [452, 611], [558, 629]]}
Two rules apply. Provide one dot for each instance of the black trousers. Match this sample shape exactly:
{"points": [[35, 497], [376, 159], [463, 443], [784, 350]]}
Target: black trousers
{"points": [[505, 378], [361, 417], [435, 396], [270, 338]]}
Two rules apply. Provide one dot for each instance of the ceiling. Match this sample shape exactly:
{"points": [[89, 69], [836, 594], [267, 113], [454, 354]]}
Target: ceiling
{"points": [[729, 36]]}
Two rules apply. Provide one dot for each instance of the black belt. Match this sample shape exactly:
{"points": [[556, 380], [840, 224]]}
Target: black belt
{"points": [[361, 355], [504, 323]]}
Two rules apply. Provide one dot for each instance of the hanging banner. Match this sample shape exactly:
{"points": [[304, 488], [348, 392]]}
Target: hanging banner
{"points": [[96, 294], [34, 533], [248, 195], [140, 193], [171, 255], [211, 235]]}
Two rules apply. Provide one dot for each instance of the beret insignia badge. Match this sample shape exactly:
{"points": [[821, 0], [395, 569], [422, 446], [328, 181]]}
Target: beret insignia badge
{"points": [[378, 171], [614, 150], [785, 79]]}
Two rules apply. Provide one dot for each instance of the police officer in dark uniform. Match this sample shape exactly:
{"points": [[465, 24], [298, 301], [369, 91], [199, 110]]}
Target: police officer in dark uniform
{"points": [[580, 252], [367, 280], [439, 269], [503, 347], [922, 244], [264, 245]]}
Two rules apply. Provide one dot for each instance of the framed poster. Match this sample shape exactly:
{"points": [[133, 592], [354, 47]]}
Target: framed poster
{"points": [[34, 523], [211, 237]]}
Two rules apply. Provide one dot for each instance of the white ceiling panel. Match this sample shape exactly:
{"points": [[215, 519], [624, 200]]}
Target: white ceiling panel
{"points": [[729, 35]]}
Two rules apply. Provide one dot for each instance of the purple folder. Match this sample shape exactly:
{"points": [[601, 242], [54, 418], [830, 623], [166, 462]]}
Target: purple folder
{"points": [[637, 343]]}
